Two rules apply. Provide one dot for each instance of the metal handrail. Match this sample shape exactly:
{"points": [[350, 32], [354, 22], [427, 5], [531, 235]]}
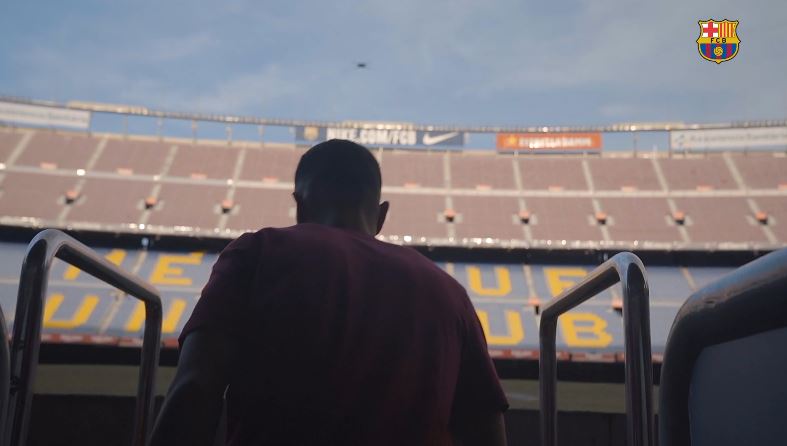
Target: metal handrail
{"points": [[26, 340], [745, 302], [627, 269]]}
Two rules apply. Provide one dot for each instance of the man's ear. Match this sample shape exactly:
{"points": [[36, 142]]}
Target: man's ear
{"points": [[382, 213], [300, 212]]}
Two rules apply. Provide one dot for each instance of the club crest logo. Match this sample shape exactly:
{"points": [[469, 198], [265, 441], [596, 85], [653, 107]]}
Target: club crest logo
{"points": [[311, 133], [718, 41]]}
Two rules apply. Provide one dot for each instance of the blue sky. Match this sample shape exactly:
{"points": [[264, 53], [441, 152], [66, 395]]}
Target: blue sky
{"points": [[447, 62]]}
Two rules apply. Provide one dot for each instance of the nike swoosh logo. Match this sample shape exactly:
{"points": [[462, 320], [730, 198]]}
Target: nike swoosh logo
{"points": [[430, 140]]}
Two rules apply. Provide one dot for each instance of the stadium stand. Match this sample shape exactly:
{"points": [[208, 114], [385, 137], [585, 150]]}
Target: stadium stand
{"points": [[701, 277], [478, 217], [440, 197], [412, 169], [563, 218], [505, 292], [481, 171], [49, 150], [763, 170], [188, 205], [416, 216], [254, 208], [667, 287], [639, 219], [552, 173], [201, 161], [34, 196], [706, 173], [585, 204], [623, 174], [270, 165], [133, 157], [8, 141], [110, 202], [720, 219]]}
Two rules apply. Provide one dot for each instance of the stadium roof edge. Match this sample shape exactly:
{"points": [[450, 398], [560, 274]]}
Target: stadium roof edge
{"points": [[132, 110]]}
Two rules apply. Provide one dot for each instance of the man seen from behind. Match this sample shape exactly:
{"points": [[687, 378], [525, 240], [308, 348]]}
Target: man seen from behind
{"points": [[320, 334]]}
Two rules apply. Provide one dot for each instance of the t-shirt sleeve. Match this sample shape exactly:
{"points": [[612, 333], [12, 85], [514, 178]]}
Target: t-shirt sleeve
{"points": [[224, 298], [478, 389]]}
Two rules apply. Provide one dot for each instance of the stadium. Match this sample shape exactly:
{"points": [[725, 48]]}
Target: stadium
{"points": [[517, 222]]}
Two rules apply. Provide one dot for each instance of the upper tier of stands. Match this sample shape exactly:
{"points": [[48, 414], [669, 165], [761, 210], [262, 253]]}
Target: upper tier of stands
{"points": [[115, 183]]}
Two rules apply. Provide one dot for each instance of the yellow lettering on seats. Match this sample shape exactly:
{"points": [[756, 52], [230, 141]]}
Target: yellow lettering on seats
{"points": [[557, 278], [168, 325], [80, 316], [515, 333], [502, 276], [115, 256], [165, 273], [584, 330]]}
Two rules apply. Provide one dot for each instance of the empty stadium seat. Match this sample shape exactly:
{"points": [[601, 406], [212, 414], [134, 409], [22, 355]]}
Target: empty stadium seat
{"points": [[776, 210], [679, 217], [449, 214]]}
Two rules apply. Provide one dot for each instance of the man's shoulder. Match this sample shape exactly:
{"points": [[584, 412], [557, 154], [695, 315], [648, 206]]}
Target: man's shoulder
{"points": [[413, 260], [246, 242], [299, 238]]}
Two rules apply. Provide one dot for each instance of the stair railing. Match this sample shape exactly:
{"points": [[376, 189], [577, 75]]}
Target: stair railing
{"points": [[28, 321], [627, 269]]}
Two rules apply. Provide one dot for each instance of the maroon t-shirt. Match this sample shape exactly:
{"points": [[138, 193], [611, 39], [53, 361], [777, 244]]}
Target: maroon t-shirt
{"points": [[346, 340]]}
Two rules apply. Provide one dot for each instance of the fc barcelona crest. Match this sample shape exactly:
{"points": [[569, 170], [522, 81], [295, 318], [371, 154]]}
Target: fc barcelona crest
{"points": [[311, 133], [718, 41]]}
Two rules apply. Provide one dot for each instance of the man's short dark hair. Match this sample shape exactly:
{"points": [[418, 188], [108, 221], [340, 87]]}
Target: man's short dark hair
{"points": [[338, 175]]}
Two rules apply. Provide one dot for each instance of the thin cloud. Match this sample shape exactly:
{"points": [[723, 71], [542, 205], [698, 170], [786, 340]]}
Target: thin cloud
{"points": [[506, 62]]}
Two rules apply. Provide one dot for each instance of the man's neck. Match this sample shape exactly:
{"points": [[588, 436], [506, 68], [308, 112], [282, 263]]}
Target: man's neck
{"points": [[350, 223]]}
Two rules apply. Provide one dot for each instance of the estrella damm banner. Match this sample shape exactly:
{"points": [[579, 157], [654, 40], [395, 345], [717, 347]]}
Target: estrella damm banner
{"points": [[549, 142], [718, 41]]}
